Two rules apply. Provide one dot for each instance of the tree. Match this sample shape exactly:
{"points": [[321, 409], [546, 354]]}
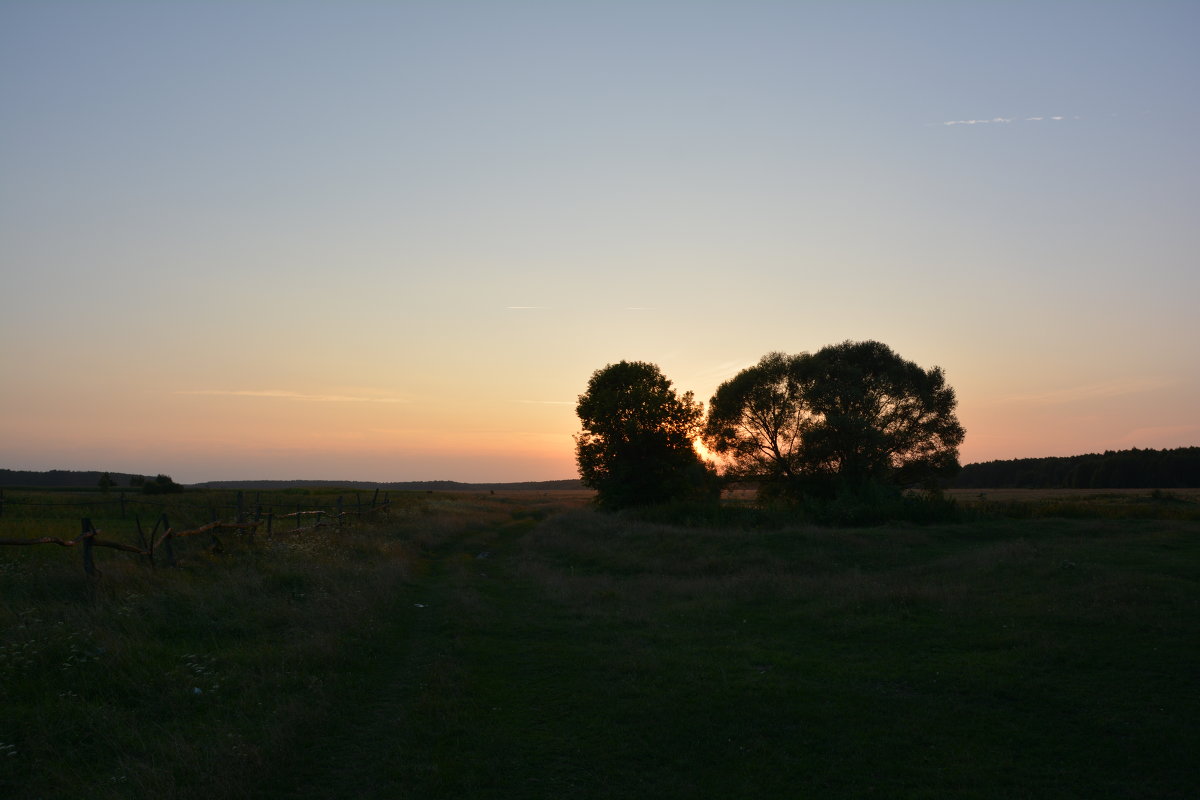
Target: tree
{"points": [[106, 482], [636, 447], [757, 420], [880, 418], [844, 418]]}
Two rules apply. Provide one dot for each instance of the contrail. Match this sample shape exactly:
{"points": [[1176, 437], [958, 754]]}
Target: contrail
{"points": [[1004, 120]]}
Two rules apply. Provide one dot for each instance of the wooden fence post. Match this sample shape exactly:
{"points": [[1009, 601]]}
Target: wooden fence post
{"points": [[375, 499], [270, 519], [122, 505], [1, 502], [216, 543], [239, 507], [89, 533], [339, 511], [167, 541]]}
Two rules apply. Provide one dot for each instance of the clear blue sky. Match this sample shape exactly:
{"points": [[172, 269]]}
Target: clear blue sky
{"points": [[392, 240]]}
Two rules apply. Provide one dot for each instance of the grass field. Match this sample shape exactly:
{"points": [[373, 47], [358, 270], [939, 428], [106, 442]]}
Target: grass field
{"points": [[525, 646]]}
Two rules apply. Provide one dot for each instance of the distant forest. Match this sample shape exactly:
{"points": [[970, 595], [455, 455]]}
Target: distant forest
{"points": [[66, 479], [1112, 469]]}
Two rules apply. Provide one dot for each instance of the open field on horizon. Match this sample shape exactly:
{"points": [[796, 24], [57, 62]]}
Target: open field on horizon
{"points": [[522, 645]]}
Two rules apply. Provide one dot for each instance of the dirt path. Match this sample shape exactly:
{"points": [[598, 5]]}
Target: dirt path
{"points": [[384, 740]]}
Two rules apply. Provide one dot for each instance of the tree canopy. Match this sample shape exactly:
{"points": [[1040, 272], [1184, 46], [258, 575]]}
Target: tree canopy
{"points": [[636, 447], [849, 415]]}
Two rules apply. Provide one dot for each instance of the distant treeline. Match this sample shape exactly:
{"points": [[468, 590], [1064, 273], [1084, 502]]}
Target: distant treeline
{"points": [[67, 479], [396, 486], [1112, 469]]}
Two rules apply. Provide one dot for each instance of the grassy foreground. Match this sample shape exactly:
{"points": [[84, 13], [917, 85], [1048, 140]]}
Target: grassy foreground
{"points": [[521, 646]]}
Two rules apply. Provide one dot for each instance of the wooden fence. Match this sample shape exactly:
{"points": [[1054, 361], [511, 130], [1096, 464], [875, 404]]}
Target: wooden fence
{"points": [[89, 537]]}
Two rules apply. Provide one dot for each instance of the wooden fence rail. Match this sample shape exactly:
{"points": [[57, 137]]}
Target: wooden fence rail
{"points": [[89, 537]]}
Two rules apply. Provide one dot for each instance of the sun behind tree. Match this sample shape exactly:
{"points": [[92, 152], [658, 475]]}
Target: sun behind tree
{"points": [[636, 447]]}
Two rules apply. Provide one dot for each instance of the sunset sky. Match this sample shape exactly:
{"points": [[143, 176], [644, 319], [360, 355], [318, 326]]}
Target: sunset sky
{"points": [[392, 240]]}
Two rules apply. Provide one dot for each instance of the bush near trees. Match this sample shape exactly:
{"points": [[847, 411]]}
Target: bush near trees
{"points": [[851, 419], [162, 484], [637, 444]]}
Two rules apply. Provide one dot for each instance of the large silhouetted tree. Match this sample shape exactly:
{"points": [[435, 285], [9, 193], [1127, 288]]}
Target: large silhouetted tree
{"points": [[841, 419], [636, 447], [878, 417]]}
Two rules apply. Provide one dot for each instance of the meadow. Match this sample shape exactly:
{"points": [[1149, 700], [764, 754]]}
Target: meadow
{"points": [[523, 645]]}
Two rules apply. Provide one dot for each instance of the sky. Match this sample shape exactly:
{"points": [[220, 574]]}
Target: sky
{"points": [[369, 240]]}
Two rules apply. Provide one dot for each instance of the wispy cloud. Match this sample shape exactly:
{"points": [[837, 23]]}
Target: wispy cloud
{"points": [[589, 308], [1004, 120], [286, 395], [1089, 391]]}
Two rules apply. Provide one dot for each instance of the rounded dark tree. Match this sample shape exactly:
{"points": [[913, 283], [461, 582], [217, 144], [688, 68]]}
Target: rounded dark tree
{"points": [[879, 418], [637, 444]]}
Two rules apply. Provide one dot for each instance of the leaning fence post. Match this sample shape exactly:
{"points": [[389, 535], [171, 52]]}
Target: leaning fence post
{"points": [[89, 533], [153, 531], [339, 511], [375, 498], [141, 534]]}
